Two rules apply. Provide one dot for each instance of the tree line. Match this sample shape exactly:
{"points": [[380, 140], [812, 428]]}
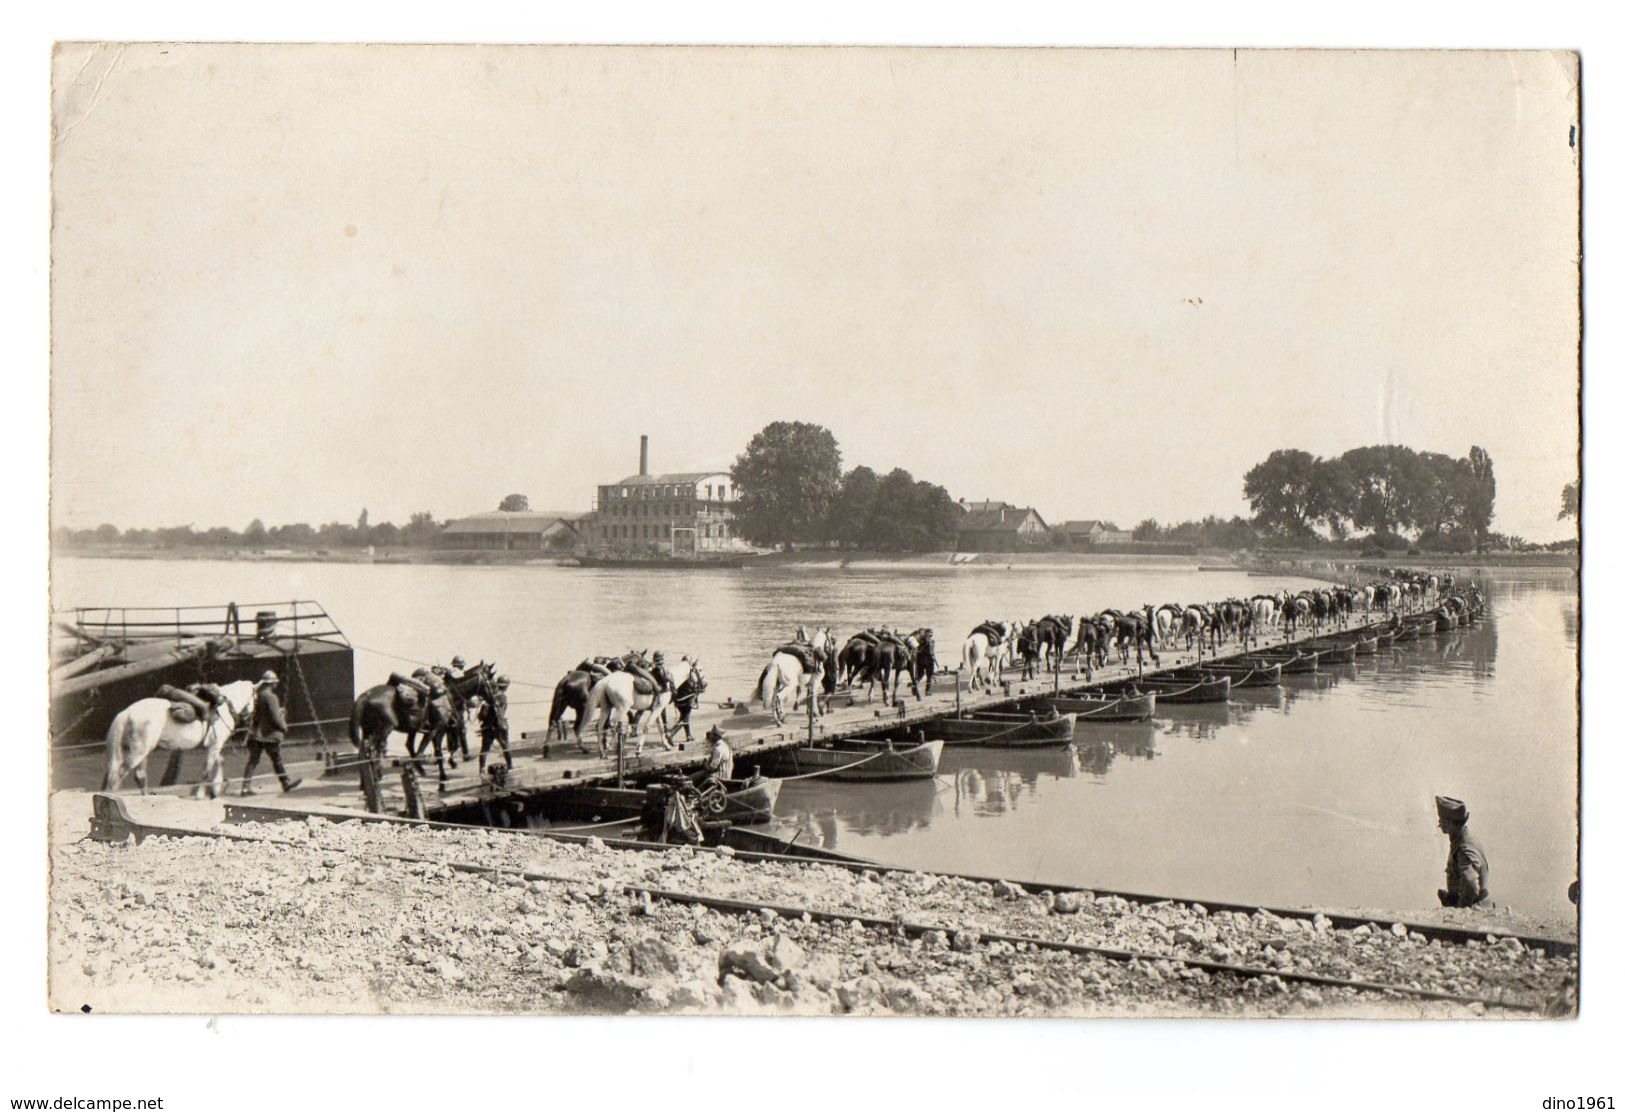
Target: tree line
{"points": [[1394, 494], [1210, 532], [419, 531], [792, 491]]}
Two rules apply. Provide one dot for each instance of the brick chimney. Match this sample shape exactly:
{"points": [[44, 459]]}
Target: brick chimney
{"points": [[643, 455]]}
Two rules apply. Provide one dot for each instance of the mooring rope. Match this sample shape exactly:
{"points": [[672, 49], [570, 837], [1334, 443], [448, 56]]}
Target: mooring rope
{"points": [[827, 771]]}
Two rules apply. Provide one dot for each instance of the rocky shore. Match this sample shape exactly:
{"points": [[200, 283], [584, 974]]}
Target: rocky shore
{"points": [[315, 916]]}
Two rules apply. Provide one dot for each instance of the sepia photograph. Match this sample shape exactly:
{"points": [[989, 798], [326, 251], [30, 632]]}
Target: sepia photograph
{"points": [[814, 531], [985, 533]]}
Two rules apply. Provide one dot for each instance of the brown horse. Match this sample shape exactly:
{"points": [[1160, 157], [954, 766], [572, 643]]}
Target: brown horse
{"points": [[890, 661], [572, 691], [399, 707]]}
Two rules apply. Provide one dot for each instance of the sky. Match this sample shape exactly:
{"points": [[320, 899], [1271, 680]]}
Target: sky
{"points": [[292, 282]]}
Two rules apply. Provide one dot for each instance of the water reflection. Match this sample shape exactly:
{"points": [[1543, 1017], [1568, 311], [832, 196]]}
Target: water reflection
{"points": [[820, 811], [996, 781], [1204, 721], [1099, 746], [1269, 698], [1318, 791]]}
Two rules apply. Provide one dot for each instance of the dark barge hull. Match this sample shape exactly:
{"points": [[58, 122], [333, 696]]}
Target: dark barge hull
{"points": [[306, 649]]}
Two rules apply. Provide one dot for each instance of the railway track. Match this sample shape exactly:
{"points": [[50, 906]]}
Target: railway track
{"points": [[113, 823], [1551, 946]]}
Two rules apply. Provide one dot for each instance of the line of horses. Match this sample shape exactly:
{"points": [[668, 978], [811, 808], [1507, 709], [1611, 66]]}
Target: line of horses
{"points": [[620, 695], [430, 715], [623, 694], [1046, 643]]}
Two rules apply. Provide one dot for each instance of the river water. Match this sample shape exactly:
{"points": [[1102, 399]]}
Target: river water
{"points": [[1319, 792]]}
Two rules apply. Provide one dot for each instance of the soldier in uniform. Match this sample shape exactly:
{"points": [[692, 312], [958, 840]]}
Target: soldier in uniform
{"points": [[457, 726], [494, 723], [658, 673], [720, 762], [266, 732], [1467, 870]]}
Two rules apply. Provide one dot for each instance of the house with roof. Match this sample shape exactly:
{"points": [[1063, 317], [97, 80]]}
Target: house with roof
{"points": [[1090, 532], [681, 513], [998, 527], [515, 530]]}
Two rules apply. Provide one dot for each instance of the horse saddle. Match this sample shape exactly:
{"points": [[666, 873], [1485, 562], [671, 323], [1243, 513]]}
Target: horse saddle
{"points": [[592, 668], [990, 631], [643, 686], [801, 652], [184, 706], [408, 696]]}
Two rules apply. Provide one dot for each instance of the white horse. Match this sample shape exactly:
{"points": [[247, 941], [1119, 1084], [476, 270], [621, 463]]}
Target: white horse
{"points": [[1168, 617], [1194, 624], [1004, 654], [786, 673], [983, 658], [146, 725], [618, 700], [1264, 610]]}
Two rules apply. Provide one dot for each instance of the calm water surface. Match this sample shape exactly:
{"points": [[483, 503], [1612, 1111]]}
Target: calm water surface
{"points": [[1318, 792]]}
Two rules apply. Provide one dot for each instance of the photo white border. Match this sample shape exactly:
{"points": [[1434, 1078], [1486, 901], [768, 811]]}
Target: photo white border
{"points": [[245, 1064]]}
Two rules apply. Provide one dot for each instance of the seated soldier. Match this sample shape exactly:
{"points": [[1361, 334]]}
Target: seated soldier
{"points": [[720, 761], [1467, 869]]}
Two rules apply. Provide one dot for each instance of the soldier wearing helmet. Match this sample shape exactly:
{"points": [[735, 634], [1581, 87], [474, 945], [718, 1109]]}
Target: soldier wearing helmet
{"points": [[494, 723], [657, 669], [266, 731]]}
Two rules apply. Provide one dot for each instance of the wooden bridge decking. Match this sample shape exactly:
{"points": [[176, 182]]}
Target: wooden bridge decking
{"points": [[751, 733]]}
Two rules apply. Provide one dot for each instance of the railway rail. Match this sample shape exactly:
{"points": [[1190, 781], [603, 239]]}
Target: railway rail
{"points": [[112, 822]]}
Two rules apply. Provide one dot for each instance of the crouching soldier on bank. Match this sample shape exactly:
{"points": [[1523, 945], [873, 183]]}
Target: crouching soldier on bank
{"points": [[1467, 869]]}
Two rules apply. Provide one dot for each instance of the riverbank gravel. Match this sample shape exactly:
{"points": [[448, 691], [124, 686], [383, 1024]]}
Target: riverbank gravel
{"points": [[316, 916]]}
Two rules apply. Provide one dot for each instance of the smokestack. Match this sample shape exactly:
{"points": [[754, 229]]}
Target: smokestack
{"points": [[643, 455]]}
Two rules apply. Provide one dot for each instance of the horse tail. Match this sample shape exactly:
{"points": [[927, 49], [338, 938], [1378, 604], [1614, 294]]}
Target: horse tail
{"points": [[764, 688], [555, 712], [593, 707], [117, 735], [358, 735]]}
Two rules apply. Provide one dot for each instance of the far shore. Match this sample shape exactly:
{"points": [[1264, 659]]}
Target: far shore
{"points": [[1288, 562]]}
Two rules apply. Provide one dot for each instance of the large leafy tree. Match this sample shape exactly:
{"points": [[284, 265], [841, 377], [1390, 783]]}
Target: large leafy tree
{"points": [[936, 515], [1332, 495], [1384, 477], [1571, 501], [850, 511], [1478, 508], [514, 504], [891, 521], [1440, 488], [1281, 492], [787, 478]]}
